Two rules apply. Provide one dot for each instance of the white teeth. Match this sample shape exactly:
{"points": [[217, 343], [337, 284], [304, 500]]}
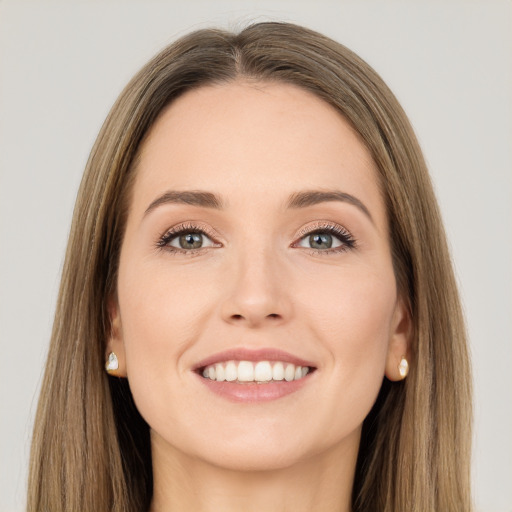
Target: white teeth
{"points": [[220, 374], [231, 371], [289, 372], [278, 371], [245, 371], [261, 372]]}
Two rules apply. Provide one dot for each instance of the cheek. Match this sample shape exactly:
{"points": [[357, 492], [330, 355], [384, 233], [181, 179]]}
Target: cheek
{"points": [[352, 306], [161, 316], [162, 313], [353, 317]]}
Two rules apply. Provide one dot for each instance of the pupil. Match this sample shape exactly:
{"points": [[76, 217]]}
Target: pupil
{"points": [[320, 241], [191, 241]]}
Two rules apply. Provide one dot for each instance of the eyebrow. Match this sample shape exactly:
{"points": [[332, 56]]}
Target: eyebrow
{"points": [[297, 200], [313, 197], [192, 197]]}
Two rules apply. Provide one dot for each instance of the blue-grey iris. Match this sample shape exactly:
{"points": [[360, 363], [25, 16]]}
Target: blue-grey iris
{"points": [[320, 241], [191, 241]]}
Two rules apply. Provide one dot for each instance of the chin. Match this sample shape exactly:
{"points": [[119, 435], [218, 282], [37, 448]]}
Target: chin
{"points": [[260, 449], [255, 459]]}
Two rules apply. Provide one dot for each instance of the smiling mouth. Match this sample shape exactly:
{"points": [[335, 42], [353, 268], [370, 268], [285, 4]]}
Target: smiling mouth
{"points": [[260, 372]]}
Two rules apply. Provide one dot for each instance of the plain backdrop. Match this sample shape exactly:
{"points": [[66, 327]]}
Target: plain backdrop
{"points": [[62, 64]]}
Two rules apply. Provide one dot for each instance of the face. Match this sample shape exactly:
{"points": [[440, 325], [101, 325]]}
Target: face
{"points": [[257, 232]]}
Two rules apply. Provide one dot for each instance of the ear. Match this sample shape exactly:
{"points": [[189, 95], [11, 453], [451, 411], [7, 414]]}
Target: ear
{"points": [[115, 341], [399, 341]]}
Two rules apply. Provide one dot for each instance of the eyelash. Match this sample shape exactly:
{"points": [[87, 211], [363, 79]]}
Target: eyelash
{"points": [[347, 240], [181, 229], [343, 235]]}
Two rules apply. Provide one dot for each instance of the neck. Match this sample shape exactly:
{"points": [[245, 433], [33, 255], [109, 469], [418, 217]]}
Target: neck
{"points": [[322, 482]]}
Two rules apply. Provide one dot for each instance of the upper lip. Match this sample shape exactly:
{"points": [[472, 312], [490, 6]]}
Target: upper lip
{"points": [[244, 354]]}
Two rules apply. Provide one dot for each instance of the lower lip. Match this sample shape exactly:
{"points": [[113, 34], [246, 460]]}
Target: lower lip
{"points": [[252, 391]]}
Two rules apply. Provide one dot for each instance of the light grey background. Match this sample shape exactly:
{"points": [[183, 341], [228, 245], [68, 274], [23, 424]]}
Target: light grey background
{"points": [[63, 64]]}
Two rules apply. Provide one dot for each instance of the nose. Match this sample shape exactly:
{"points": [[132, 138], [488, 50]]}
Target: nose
{"points": [[257, 292]]}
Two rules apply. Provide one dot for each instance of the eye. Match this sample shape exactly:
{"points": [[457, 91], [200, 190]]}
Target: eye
{"points": [[326, 238], [320, 241], [191, 240], [185, 238]]}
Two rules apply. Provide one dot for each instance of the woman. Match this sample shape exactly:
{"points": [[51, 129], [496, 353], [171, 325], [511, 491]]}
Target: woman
{"points": [[258, 261]]}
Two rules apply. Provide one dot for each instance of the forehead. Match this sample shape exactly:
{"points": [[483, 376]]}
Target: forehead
{"points": [[254, 141]]}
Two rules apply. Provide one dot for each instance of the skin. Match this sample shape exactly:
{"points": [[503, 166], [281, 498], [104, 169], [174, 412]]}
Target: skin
{"points": [[256, 284]]}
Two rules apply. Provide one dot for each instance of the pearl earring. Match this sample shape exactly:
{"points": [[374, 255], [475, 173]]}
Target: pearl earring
{"points": [[112, 363], [403, 367]]}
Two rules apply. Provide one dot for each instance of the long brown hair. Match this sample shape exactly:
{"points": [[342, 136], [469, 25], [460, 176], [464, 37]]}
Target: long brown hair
{"points": [[91, 448]]}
